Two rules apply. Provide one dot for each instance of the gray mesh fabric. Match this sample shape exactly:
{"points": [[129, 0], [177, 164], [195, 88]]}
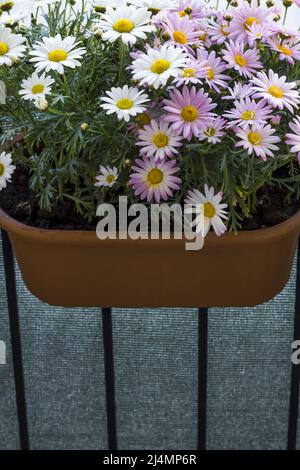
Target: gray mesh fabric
{"points": [[155, 352]]}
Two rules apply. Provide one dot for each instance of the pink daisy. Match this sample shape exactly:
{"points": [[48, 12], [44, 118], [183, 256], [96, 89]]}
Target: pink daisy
{"points": [[194, 9], [239, 91], [192, 73], [258, 139], [152, 179], [181, 30], [276, 90], [244, 62], [188, 111], [244, 16], [158, 140], [213, 131], [248, 112], [294, 139], [215, 78], [287, 50], [218, 30]]}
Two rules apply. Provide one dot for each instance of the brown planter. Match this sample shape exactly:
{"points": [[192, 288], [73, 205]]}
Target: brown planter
{"points": [[75, 269]]}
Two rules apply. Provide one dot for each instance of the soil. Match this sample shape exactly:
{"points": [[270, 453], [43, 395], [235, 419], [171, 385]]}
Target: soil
{"points": [[272, 210]]}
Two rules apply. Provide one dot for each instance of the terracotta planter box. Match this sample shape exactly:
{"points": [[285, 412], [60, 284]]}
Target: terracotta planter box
{"points": [[75, 269]]}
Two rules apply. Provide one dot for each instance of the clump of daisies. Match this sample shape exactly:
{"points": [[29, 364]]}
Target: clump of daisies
{"points": [[158, 100]]}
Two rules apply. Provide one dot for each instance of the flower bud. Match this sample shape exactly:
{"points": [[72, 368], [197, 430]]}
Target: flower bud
{"points": [[84, 126], [41, 104]]}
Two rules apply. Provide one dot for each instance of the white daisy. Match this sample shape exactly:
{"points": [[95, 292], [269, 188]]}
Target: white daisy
{"points": [[158, 140], [293, 139], [36, 87], [276, 90], [41, 103], [127, 23], [56, 53], [208, 209], [156, 66], [11, 46], [2, 92], [6, 169], [125, 102], [108, 176], [258, 139]]}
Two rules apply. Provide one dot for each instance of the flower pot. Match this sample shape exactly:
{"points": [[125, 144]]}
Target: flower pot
{"points": [[76, 269]]}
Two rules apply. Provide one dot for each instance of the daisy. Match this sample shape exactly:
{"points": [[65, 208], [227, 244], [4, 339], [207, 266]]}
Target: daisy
{"points": [[158, 140], [6, 169], [36, 87], [11, 46], [154, 6], [100, 5], [188, 111], [194, 9], [192, 73], [248, 112], [276, 90], [209, 210], [239, 91], [107, 177], [127, 23], [56, 53], [213, 130], [157, 66], [214, 77], [244, 62], [294, 139], [2, 92], [218, 30], [152, 179], [258, 139], [244, 16], [180, 30], [125, 102], [287, 51]]}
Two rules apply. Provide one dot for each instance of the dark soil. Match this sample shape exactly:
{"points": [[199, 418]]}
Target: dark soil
{"points": [[20, 202]]}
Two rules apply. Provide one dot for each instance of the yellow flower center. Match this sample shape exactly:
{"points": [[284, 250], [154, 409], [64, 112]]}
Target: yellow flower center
{"points": [[248, 115], [110, 178], [125, 103], [2, 169], [250, 21], [143, 119], [210, 73], [240, 60], [254, 138], [209, 210], [285, 50], [155, 176], [210, 132], [3, 48], [160, 140], [189, 113], [160, 66], [202, 36], [38, 88], [188, 73], [57, 55], [182, 13], [180, 37], [123, 25], [275, 91], [223, 31]]}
